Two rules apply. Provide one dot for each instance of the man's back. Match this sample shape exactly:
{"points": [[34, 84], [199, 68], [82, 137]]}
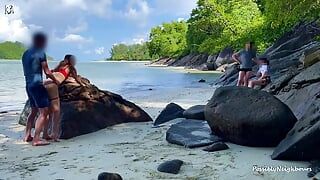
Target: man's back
{"points": [[31, 60]]}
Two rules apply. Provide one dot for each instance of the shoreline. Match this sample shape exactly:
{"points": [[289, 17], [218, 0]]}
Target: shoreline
{"points": [[133, 150]]}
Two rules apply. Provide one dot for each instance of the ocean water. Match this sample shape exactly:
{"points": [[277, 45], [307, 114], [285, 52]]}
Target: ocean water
{"points": [[119, 77]]}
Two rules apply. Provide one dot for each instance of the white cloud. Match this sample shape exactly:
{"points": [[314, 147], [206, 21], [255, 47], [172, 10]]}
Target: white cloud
{"points": [[100, 50], [80, 27], [74, 38], [14, 30]]}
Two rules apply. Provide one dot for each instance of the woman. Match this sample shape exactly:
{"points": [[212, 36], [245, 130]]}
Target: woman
{"points": [[63, 71], [245, 58], [263, 76]]}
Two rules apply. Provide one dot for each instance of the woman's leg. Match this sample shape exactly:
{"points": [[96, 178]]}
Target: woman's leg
{"points": [[240, 78], [246, 78], [260, 82], [55, 113]]}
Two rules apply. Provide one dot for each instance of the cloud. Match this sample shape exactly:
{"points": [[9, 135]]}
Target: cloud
{"points": [[100, 50], [14, 30], [75, 38], [79, 27]]}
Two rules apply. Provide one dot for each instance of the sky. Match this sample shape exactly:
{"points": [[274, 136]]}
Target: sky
{"points": [[88, 28]]}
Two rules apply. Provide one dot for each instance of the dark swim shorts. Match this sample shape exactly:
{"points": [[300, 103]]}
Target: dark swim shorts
{"points": [[245, 69], [38, 96]]}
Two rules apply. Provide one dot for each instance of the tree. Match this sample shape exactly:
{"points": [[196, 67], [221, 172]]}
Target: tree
{"points": [[130, 52], [216, 24], [168, 40]]}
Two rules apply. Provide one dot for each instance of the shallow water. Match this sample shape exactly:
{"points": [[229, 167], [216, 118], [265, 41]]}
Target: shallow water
{"points": [[119, 77]]}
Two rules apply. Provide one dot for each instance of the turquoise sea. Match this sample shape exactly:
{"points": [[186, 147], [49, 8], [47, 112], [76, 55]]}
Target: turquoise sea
{"points": [[119, 77]]}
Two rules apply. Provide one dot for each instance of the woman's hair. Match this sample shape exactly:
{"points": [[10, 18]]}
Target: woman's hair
{"points": [[264, 59], [68, 57], [67, 61]]}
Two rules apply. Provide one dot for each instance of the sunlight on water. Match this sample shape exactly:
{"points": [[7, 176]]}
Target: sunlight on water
{"points": [[122, 78]]}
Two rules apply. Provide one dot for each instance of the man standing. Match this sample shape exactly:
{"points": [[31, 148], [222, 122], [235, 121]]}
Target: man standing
{"points": [[34, 63]]}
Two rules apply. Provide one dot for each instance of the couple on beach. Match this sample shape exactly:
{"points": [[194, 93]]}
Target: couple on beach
{"points": [[246, 58], [43, 95]]}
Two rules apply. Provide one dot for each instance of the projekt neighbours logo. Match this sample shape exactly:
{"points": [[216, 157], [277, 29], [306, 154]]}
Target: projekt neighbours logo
{"points": [[287, 169]]}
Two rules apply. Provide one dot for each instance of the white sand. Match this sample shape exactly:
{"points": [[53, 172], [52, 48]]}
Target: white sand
{"points": [[133, 150]]}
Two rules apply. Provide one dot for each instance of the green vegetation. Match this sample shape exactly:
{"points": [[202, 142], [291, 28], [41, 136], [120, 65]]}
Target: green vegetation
{"points": [[130, 52], [216, 24], [11, 50], [168, 40]]}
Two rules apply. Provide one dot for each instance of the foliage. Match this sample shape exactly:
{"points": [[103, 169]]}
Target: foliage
{"points": [[216, 24], [130, 52], [282, 15], [168, 40], [11, 50]]}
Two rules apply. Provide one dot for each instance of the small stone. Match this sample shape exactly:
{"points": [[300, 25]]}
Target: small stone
{"points": [[202, 81], [172, 167], [219, 146], [109, 176]]}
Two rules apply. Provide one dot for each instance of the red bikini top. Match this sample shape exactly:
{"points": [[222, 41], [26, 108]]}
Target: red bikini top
{"points": [[64, 72]]}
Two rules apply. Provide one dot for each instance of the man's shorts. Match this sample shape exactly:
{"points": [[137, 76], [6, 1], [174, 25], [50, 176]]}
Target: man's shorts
{"points": [[38, 96]]}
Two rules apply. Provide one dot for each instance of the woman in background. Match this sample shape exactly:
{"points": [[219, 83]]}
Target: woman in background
{"points": [[263, 76], [245, 58]]}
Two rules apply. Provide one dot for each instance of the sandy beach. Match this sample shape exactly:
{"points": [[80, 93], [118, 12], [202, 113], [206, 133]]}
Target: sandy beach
{"points": [[133, 150]]}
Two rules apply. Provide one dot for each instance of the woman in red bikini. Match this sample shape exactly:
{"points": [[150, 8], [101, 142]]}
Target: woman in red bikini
{"points": [[64, 70]]}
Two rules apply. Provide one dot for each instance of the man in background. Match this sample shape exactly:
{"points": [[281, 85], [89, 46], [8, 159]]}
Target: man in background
{"points": [[34, 63]]}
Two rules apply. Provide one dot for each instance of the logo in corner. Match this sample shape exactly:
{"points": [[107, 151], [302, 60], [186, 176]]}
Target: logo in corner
{"points": [[9, 9]]}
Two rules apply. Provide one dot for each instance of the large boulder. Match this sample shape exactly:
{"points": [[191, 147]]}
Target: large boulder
{"points": [[170, 112], [86, 109], [302, 94], [248, 117]]}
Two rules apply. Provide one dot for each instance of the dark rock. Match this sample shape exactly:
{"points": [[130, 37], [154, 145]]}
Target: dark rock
{"points": [[191, 134], [202, 81], [109, 176], [195, 112], [172, 167], [86, 109], [302, 96], [315, 166], [219, 146], [170, 112], [248, 117], [224, 57]]}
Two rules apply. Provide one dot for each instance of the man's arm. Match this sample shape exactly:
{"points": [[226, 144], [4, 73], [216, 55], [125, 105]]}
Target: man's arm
{"points": [[47, 71]]}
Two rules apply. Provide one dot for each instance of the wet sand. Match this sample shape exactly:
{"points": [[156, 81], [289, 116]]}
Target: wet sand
{"points": [[133, 150]]}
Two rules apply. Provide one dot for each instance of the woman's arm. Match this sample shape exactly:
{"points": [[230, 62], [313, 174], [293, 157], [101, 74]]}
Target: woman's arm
{"points": [[75, 75], [235, 57]]}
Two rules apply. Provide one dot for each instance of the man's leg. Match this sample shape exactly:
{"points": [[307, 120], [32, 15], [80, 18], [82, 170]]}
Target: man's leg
{"points": [[40, 123], [30, 123]]}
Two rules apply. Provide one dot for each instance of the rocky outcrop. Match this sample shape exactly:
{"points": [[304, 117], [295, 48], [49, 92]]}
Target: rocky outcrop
{"points": [[86, 109], [248, 117], [191, 133], [170, 112], [302, 94]]}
